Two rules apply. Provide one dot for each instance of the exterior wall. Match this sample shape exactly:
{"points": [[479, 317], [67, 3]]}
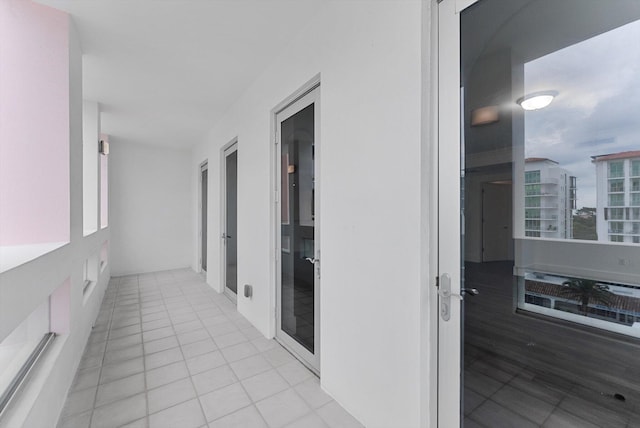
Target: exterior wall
{"points": [[368, 55], [556, 204], [149, 208], [58, 273], [630, 208]]}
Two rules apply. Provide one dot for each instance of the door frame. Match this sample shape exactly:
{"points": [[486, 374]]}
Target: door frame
{"points": [[306, 95], [203, 166], [448, 227], [226, 150]]}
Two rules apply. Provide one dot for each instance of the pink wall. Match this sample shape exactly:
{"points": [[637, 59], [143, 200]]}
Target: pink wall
{"points": [[34, 124]]}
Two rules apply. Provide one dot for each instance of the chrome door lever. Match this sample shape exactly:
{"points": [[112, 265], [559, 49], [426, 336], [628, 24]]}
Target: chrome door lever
{"points": [[310, 260]]}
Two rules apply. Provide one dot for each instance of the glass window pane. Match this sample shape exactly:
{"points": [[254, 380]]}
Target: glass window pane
{"points": [[298, 226]]}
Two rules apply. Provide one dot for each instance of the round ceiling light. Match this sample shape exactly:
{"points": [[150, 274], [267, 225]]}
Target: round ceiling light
{"points": [[537, 100]]}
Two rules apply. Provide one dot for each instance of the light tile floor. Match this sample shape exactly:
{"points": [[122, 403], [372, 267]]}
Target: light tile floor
{"points": [[168, 351]]}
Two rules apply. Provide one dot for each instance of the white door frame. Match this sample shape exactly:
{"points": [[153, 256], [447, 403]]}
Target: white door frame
{"points": [[309, 94], [448, 202], [226, 150]]}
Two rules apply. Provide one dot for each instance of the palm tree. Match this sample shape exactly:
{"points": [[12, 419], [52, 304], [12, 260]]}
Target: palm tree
{"points": [[586, 291]]}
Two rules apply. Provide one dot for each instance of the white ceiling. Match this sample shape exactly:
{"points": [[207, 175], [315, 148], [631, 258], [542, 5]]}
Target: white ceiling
{"points": [[164, 71]]}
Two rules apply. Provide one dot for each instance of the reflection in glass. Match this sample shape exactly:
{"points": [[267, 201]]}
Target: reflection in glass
{"points": [[557, 319], [297, 228]]}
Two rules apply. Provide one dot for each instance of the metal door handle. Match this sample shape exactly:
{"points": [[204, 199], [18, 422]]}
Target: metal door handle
{"points": [[470, 291], [316, 262], [225, 236]]}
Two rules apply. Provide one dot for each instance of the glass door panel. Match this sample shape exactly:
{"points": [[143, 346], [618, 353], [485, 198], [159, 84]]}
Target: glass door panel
{"points": [[231, 221], [550, 138], [299, 252]]}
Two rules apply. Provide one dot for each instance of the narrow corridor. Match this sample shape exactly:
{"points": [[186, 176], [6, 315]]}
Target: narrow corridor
{"points": [[168, 351]]}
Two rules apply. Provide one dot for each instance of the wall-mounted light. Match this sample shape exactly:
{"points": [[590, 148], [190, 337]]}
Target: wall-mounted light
{"points": [[484, 115], [104, 147], [537, 100]]}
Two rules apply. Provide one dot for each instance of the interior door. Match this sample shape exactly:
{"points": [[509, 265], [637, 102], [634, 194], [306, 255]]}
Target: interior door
{"points": [[204, 180], [497, 235], [230, 233], [298, 252]]}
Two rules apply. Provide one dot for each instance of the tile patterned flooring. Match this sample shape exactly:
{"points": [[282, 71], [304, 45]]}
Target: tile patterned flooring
{"points": [[168, 351], [523, 371]]}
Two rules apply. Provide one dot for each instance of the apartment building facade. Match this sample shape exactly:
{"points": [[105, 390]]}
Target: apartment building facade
{"points": [[618, 196], [550, 199]]}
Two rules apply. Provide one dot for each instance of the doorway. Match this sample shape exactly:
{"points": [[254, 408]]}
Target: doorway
{"points": [[230, 220], [204, 180], [497, 241], [548, 336], [298, 226]]}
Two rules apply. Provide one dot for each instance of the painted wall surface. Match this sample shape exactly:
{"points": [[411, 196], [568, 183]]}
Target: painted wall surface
{"points": [[149, 211], [34, 160], [60, 273], [369, 57]]}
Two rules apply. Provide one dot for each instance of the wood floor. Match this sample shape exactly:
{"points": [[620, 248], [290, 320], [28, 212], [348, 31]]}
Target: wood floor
{"points": [[523, 371]]}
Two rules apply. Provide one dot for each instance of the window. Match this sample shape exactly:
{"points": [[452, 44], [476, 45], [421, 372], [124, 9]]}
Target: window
{"points": [[532, 202], [635, 228], [532, 189], [635, 168], [616, 169], [532, 234], [616, 213], [532, 213], [532, 177], [635, 199], [616, 200], [616, 238], [636, 239], [90, 136], [616, 186], [616, 227], [532, 224], [635, 184], [635, 213]]}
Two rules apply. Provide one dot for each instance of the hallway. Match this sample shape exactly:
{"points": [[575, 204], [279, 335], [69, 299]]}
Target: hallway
{"points": [[168, 351]]}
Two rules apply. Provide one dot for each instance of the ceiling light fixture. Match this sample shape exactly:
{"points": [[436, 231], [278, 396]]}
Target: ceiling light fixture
{"points": [[537, 100]]}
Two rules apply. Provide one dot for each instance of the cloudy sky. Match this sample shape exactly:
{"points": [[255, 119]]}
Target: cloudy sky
{"points": [[597, 110]]}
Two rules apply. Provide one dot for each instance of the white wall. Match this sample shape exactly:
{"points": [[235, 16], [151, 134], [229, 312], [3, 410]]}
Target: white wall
{"points": [[369, 57], [25, 287], [149, 210]]}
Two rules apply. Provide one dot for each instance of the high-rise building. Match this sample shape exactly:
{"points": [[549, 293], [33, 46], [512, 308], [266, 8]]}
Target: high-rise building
{"points": [[550, 198], [618, 196]]}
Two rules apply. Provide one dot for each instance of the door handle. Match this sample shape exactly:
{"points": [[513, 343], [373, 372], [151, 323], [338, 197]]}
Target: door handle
{"points": [[225, 236], [316, 262], [444, 291]]}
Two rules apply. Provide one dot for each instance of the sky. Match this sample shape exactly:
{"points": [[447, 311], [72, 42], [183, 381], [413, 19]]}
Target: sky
{"points": [[597, 109]]}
